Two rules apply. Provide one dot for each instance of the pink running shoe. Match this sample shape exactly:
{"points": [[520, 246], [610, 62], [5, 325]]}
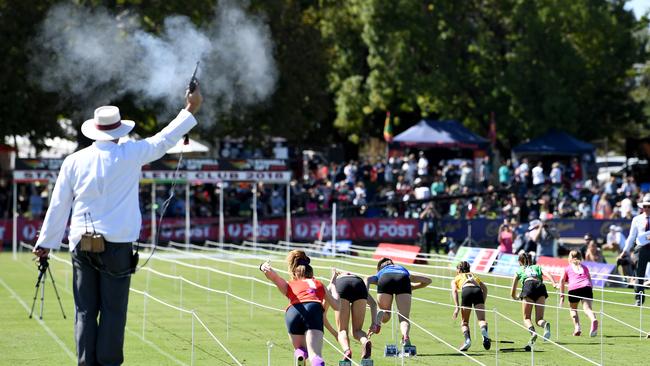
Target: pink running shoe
{"points": [[300, 355], [594, 328]]}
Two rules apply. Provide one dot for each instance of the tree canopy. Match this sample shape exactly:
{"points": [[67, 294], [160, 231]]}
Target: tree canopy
{"points": [[343, 63]]}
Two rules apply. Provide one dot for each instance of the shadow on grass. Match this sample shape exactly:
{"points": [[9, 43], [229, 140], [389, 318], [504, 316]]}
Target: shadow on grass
{"points": [[583, 343], [517, 350], [475, 354]]}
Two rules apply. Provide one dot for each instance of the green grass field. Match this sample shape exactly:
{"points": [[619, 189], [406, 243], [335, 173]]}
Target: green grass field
{"points": [[162, 335]]}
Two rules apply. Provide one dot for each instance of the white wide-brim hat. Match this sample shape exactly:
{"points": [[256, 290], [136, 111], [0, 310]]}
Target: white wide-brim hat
{"points": [[106, 125], [645, 201]]}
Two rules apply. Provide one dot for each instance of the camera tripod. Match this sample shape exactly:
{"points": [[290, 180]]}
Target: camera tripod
{"points": [[44, 269]]}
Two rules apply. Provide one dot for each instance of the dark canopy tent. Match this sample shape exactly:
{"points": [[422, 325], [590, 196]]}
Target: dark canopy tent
{"points": [[439, 134], [554, 143], [558, 146]]}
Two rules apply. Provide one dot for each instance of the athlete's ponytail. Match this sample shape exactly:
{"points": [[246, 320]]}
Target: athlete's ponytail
{"points": [[575, 257], [525, 259], [463, 267], [299, 267]]}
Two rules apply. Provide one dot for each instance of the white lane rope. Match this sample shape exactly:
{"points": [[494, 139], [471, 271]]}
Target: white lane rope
{"points": [[548, 340]]}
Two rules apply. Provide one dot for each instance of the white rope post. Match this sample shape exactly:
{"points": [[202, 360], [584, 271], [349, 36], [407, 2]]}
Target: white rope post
{"points": [[557, 318], [222, 229], [269, 345], [147, 281], [602, 304], [252, 298], [192, 360], [496, 338], [255, 216], [227, 317], [144, 313], [392, 323], [334, 229], [287, 230], [187, 214], [180, 313], [641, 298], [209, 286], [153, 211], [14, 231]]}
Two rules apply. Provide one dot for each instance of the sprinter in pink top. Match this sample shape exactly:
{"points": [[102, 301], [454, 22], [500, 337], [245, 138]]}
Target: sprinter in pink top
{"points": [[577, 276]]}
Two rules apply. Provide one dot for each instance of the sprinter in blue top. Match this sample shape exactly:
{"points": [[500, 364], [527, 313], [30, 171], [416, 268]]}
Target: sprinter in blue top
{"points": [[393, 280]]}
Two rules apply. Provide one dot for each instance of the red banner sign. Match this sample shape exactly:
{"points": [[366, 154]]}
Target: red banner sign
{"points": [[397, 252], [303, 229]]}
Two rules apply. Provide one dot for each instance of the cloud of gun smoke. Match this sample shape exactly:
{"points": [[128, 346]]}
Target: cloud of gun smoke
{"points": [[96, 57]]}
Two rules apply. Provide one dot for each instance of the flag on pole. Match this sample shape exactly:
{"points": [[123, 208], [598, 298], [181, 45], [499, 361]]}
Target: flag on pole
{"points": [[388, 129], [492, 133]]}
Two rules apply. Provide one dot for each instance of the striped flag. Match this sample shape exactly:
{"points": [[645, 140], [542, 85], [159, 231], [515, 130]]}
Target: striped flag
{"points": [[388, 128]]}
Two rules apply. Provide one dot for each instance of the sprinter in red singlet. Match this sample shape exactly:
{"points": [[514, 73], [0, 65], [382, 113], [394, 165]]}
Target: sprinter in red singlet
{"points": [[304, 315]]}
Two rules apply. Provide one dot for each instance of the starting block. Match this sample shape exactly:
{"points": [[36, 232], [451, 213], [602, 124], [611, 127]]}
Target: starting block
{"points": [[390, 350], [345, 363], [367, 362], [409, 351]]}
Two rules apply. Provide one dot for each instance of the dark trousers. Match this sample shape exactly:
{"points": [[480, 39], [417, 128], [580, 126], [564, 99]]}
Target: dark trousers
{"points": [[643, 257], [98, 293]]}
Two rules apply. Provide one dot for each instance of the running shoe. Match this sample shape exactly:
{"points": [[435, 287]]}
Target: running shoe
{"points": [[466, 345], [366, 351], [533, 337], [487, 342], [300, 356], [577, 331], [547, 331], [594, 328], [300, 361], [347, 355]]}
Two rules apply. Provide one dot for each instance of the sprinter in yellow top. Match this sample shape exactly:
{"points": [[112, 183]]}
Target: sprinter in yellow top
{"points": [[473, 293]]}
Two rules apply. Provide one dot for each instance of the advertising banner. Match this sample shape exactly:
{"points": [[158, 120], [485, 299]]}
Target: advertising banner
{"points": [[303, 229], [506, 265], [397, 252], [480, 259], [554, 266], [167, 170]]}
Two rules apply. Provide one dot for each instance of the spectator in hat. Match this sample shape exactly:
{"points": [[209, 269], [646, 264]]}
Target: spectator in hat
{"points": [[639, 237], [615, 239]]}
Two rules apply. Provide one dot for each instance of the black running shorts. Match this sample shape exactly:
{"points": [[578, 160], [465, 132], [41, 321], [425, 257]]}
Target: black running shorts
{"points": [[301, 317], [394, 284], [534, 289], [582, 293], [351, 288], [471, 296]]}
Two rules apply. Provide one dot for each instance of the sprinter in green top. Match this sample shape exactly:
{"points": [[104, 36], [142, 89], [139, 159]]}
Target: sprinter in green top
{"points": [[533, 292]]}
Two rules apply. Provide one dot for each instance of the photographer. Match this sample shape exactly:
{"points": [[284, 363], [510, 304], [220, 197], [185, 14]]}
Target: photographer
{"points": [[540, 234], [99, 184]]}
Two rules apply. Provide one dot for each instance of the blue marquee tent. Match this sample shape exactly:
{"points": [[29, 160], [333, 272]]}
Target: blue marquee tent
{"points": [[554, 143], [448, 134]]}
